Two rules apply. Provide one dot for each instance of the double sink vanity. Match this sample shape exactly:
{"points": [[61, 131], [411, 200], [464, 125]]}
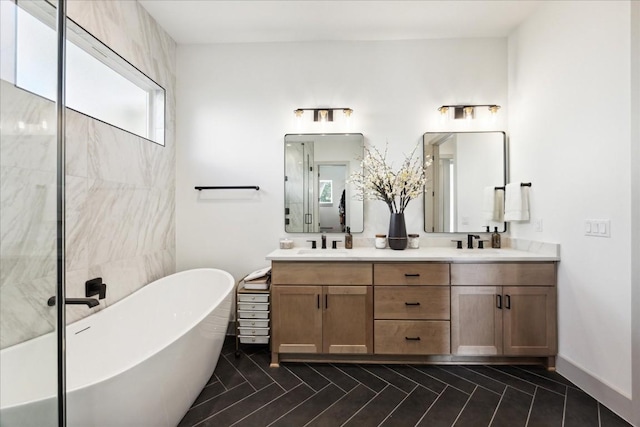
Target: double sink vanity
{"points": [[436, 304], [427, 305]]}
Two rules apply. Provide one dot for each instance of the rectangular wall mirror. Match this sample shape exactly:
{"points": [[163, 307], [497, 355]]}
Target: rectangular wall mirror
{"points": [[463, 165], [317, 196]]}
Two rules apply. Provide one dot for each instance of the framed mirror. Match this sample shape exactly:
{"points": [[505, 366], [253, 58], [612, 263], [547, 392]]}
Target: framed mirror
{"points": [[465, 167], [317, 196]]}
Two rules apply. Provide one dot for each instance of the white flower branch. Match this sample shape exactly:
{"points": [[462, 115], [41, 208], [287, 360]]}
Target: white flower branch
{"points": [[377, 181]]}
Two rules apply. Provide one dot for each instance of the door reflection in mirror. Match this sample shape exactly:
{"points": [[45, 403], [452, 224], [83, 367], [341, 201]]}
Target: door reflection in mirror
{"points": [[464, 164]]}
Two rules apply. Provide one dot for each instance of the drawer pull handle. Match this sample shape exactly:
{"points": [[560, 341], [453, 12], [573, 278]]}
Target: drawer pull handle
{"points": [[411, 303], [412, 338], [411, 275], [507, 302], [499, 301]]}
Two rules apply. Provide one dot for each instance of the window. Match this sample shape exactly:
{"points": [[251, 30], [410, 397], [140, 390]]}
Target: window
{"points": [[326, 191], [99, 83]]}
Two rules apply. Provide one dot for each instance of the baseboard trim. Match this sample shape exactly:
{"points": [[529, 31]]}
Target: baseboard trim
{"points": [[603, 393]]}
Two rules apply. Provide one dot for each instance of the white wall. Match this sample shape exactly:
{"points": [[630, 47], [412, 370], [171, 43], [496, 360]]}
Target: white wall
{"points": [[569, 97], [236, 102]]}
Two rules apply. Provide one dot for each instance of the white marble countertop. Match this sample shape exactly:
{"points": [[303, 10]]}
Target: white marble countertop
{"points": [[524, 252]]}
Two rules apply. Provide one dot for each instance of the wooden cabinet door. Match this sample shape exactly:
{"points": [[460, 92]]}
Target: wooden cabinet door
{"points": [[476, 320], [347, 325], [296, 319], [529, 317]]}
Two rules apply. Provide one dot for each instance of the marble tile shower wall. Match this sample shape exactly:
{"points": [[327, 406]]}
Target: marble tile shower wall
{"points": [[27, 215], [120, 219]]}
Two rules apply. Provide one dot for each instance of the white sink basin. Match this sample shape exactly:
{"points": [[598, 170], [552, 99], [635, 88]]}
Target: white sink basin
{"points": [[322, 252], [481, 252]]}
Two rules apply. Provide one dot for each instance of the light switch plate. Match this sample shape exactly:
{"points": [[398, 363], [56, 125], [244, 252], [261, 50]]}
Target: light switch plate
{"points": [[597, 227]]}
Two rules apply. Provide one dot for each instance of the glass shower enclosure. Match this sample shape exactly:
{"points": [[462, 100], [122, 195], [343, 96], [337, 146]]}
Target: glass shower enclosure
{"points": [[31, 222]]}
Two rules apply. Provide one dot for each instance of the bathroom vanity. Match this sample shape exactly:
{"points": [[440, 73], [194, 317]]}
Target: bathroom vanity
{"points": [[428, 305]]}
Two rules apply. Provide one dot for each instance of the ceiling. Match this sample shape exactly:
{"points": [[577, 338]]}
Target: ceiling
{"points": [[249, 21]]}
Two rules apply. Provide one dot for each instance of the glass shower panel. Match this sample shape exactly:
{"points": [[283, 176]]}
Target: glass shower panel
{"points": [[299, 189], [28, 249]]}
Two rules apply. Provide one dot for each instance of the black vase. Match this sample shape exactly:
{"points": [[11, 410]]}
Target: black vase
{"points": [[397, 236]]}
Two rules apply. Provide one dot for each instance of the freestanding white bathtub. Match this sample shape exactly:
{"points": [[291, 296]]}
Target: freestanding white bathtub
{"points": [[141, 362]]}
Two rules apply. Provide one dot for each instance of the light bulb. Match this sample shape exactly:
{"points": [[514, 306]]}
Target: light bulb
{"points": [[493, 109], [298, 118], [444, 113], [468, 113], [347, 114]]}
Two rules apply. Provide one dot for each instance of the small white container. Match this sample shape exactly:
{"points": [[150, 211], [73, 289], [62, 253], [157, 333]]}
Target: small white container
{"points": [[251, 306], [253, 297], [254, 339], [252, 323], [413, 241], [254, 331], [381, 241], [286, 244], [253, 314]]}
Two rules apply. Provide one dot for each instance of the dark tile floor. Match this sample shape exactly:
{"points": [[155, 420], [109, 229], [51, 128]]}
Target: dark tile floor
{"points": [[245, 392]]}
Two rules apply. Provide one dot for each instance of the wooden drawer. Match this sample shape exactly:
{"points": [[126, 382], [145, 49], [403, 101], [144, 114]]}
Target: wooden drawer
{"points": [[504, 274], [411, 274], [411, 337], [321, 273], [412, 302]]}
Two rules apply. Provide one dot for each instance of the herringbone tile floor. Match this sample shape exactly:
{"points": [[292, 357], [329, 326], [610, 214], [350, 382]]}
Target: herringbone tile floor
{"points": [[245, 392]]}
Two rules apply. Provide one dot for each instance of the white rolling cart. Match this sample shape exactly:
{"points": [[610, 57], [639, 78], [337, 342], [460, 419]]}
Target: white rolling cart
{"points": [[253, 314]]}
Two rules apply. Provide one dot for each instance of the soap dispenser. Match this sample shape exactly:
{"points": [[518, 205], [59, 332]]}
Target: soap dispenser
{"points": [[495, 238], [348, 239]]}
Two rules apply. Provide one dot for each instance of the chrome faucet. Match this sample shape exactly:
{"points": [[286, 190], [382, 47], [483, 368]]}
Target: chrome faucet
{"points": [[470, 238]]}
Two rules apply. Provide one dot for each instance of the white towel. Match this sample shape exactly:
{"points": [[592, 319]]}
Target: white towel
{"points": [[498, 206], [493, 204], [516, 203]]}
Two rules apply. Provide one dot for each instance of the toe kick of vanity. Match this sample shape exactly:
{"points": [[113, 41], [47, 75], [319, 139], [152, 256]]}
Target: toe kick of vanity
{"points": [[414, 312]]}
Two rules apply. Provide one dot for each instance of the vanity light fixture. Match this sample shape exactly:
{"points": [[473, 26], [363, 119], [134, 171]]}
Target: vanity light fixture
{"points": [[322, 114], [466, 111]]}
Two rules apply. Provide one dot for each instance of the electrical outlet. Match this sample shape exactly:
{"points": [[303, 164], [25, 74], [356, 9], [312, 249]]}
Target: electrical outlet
{"points": [[537, 224], [597, 227]]}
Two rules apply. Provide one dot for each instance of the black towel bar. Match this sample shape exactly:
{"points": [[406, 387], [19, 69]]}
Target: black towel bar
{"points": [[522, 184], [244, 187]]}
